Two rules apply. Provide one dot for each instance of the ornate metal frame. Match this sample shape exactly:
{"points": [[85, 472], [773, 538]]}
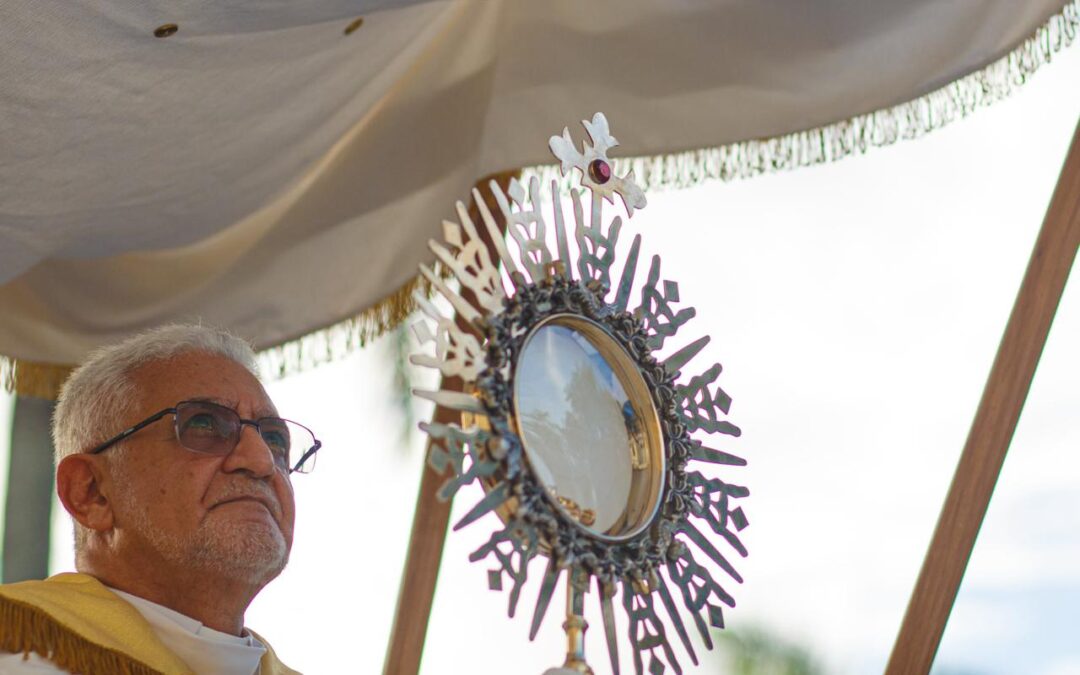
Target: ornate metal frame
{"points": [[488, 448]]}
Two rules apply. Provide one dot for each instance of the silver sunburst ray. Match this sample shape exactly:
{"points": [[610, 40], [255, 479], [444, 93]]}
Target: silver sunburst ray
{"points": [[654, 565]]}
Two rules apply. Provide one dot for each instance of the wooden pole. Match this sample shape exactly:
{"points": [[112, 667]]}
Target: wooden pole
{"points": [[417, 590], [430, 519], [991, 432]]}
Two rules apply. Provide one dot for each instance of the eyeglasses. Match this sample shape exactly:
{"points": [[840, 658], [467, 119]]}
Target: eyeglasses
{"points": [[212, 429]]}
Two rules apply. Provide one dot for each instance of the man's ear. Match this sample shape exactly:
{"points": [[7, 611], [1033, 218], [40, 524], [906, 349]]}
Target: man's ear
{"points": [[78, 484]]}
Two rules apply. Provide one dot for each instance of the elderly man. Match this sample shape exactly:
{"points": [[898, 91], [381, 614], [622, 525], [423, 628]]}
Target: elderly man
{"points": [[175, 467]]}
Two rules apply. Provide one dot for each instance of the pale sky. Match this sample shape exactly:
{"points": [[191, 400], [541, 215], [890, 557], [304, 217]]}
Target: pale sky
{"points": [[856, 308]]}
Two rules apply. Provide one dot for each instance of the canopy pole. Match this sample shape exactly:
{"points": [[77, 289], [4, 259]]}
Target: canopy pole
{"points": [[417, 588], [28, 506], [431, 517], [991, 432]]}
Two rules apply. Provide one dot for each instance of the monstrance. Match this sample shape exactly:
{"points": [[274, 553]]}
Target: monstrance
{"points": [[580, 435]]}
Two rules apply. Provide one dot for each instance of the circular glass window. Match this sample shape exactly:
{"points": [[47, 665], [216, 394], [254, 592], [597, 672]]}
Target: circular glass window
{"points": [[589, 427]]}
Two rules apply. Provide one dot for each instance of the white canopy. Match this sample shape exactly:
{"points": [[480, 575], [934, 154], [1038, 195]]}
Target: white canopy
{"points": [[265, 169]]}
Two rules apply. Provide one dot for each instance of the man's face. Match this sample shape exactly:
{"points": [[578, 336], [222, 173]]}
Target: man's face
{"points": [[230, 515]]}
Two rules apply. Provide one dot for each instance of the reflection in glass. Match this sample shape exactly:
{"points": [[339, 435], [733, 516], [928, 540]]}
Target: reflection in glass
{"points": [[582, 433]]}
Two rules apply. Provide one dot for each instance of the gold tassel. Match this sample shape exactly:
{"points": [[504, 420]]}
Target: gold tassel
{"points": [[31, 378], [25, 629]]}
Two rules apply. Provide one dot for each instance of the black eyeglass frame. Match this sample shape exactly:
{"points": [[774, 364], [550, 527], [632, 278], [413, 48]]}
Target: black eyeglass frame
{"points": [[173, 411]]}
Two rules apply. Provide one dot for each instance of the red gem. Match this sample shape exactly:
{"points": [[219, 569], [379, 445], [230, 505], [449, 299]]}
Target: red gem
{"points": [[599, 171]]}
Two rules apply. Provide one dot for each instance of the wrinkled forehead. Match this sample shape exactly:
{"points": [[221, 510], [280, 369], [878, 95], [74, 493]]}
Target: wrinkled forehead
{"points": [[200, 376]]}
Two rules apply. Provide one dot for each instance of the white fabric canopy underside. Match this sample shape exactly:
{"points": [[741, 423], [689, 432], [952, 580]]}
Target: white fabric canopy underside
{"points": [[265, 171]]}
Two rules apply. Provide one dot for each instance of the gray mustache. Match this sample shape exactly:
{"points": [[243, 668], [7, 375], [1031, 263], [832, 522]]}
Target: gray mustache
{"points": [[251, 490]]}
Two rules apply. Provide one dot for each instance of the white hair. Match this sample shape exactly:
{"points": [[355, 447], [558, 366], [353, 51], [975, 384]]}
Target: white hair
{"points": [[93, 400]]}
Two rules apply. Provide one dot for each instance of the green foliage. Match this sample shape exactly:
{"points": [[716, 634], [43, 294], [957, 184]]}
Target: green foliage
{"points": [[755, 651], [401, 347]]}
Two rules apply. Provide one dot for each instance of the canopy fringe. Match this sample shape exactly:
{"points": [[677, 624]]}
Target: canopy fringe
{"points": [[43, 380], [856, 135], [345, 337], [28, 629], [744, 159]]}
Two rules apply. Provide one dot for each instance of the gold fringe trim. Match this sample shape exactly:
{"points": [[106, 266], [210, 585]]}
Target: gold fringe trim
{"points": [[25, 629], [30, 378], [345, 337], [856, 135], [43, 380]]}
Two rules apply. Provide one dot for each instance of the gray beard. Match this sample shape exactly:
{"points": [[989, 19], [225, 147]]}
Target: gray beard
{"points": [[250, 552], [245, 551]]}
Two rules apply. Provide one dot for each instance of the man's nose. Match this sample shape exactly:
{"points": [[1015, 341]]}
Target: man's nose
{"points": [[251, 454]]}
